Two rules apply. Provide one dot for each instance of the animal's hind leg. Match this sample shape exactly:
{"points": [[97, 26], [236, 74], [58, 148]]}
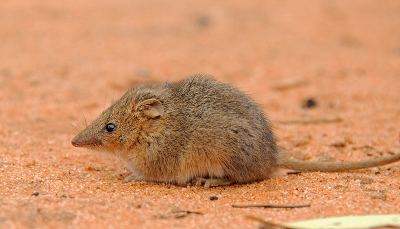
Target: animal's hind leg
{"points": [[210, 182]]}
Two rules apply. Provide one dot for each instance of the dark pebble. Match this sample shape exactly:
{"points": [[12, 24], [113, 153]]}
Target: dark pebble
{"points": [[213, 198], [309, 103]]}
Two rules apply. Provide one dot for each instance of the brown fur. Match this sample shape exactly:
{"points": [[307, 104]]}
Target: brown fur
{"points": [[194, 128]]}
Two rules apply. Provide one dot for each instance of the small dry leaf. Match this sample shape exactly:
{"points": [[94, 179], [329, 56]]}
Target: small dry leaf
{"points": [[344, 222]]}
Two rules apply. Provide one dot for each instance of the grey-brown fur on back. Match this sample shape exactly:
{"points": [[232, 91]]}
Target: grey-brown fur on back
{"points": [[209, 129]]}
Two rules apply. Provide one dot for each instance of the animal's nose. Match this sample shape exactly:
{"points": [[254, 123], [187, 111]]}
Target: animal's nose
{"points": [[85, 141], [75, 142]]}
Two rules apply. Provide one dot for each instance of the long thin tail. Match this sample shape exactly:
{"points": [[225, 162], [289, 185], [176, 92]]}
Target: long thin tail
{"points": [[307, 166]]}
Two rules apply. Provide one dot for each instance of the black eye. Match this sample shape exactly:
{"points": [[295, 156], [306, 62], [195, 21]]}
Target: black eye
{"points": [[110, 127]]}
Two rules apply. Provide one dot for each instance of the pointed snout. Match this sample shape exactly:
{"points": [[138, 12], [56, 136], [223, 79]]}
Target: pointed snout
{"points": [[81, 140], [76, 142]]}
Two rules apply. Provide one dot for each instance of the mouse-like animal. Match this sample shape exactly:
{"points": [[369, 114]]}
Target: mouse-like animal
{"points": [[196, 131]]}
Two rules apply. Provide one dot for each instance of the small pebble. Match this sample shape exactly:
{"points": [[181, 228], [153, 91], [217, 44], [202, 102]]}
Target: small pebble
{"points": [[376, 171], [35, 193], [338, 144], [213, 198], [309, 103]]}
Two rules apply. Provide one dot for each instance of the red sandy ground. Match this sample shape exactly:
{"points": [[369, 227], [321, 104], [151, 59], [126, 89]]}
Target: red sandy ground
{"points": [[64, 61]]}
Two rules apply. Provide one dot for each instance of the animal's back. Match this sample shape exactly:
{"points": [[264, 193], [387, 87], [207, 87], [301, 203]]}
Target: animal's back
{"points": [[223, 132]]}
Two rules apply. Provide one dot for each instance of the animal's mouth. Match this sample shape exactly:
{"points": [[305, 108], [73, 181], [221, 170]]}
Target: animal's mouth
{"points": [[84, 141]]}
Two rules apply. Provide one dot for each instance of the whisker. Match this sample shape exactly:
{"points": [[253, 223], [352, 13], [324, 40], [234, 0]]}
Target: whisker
{"points": [[86, 125], [75, 126]]}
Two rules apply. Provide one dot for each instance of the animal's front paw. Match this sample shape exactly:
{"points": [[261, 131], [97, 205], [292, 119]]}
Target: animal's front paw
{"points": [[210, 182]]}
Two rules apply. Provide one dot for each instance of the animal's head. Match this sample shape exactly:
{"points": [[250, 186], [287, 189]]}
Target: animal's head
{"points": [[137, 113]]}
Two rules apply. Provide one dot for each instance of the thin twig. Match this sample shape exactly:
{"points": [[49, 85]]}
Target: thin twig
{"points": [[266, 205], [311, 121], [178, 214], [86, 124], [293, 172], [188, 212]]}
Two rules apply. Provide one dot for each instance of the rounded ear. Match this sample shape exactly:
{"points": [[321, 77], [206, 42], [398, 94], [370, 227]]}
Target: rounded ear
{"points": [[151, 108]]}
